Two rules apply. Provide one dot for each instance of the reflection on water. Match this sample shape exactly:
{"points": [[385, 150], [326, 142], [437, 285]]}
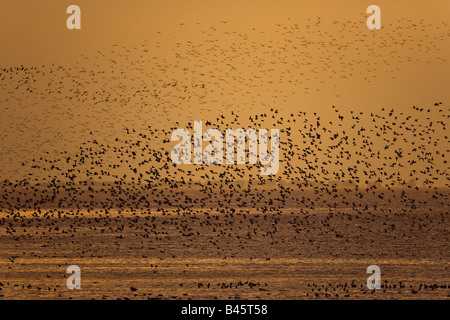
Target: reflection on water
{"points": [[284, 256]]}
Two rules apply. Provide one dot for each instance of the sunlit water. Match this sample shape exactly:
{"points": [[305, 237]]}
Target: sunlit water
{"points": [[285, 256]]}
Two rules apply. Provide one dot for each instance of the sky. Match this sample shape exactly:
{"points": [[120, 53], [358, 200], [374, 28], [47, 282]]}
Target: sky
{"points": [[253, 55]]}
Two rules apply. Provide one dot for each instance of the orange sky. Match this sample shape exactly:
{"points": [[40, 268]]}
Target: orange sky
{"points": [[371, 70], [34, 32]]}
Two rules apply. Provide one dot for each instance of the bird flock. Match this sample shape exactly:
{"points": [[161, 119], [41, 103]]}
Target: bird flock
{"points": [[95, 185]]}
